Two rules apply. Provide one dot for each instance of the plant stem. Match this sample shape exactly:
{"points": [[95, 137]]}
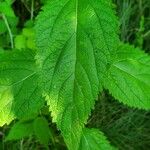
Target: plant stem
{"points": [[32, 9], [26, 6], [21, 144], [9, 30], [147, 34]]}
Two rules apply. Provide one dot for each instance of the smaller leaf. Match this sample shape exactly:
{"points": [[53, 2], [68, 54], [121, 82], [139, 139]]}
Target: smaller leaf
{"points": [[20, 42], [128, 78], [20, 130], [28, 32], [93, 139], [6, 9], [31, 43], [20, 95], [42, 130]]}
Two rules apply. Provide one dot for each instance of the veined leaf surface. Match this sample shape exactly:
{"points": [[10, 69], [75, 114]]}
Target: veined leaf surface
{"points": [[129, 77], [75, 39], [19, 92], [93, 139]]}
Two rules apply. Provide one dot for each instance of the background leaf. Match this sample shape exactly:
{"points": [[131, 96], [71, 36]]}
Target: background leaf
{"points": [[6, 9], [93, 139], [129, 77], [42, 131], [20, 130], [19, 92]]}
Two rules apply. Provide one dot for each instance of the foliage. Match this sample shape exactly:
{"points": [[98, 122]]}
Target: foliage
{"points": [[38, 127], [77, 54], [129, 71]]}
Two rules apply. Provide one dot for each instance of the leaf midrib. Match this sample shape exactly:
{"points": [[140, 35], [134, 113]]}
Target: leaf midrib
{"points": [[22, 80]]}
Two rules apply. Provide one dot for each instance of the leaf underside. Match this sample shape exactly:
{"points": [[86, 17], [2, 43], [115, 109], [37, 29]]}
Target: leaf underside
{"points": [[75, 40]]}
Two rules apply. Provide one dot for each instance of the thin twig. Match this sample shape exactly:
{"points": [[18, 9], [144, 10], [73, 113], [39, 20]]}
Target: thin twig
{"points": [[32, 9], [21, 144], [9, 30], [26, 6], [147, 34]]}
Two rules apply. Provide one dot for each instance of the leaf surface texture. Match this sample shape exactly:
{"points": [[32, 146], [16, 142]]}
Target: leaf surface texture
{"points": [[93, 139], [19, 93], [129, 77], [75, 39]]}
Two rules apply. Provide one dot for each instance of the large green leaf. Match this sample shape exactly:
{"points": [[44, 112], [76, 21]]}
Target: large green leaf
{"points": [[75, 39], [93, 139], [19, 93], [129, 77]]}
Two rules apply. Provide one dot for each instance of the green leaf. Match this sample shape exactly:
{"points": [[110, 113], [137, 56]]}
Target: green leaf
{"points": [[28, 32], [19, 92], [75, 39], [20, 130], [129, 77], [42, 131], [9, 1], [93, 139], [20, 42], [31, 43], [3, 27], [6, 9]]}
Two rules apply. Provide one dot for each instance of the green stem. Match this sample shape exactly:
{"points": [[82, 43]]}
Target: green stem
{"points": [[21, 144], [147, 34], [32, 9], [9, 30]]}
